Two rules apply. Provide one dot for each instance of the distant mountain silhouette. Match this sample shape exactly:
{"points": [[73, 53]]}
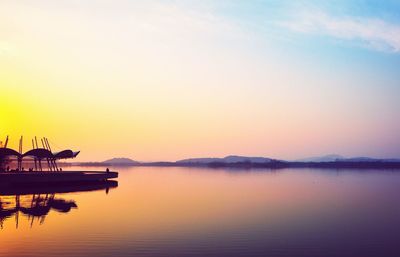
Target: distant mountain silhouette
{"points": [[121, 161], [324, 158], [228, 160], [234, 161], [368, 159], [339, 158]]}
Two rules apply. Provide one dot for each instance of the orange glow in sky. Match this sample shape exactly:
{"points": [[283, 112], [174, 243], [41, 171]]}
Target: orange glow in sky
{"points": [[152, 81]]}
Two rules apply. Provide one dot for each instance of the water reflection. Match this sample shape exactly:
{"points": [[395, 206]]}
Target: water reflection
{"points": [[35, 202], [162, 212], [34, 207]]}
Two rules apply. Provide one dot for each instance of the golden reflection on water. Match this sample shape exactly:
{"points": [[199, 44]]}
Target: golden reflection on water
{"points": [[153, 204]]}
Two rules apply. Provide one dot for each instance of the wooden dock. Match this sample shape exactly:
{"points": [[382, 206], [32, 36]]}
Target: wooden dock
{"points": [[29, 177], [57, 188]]}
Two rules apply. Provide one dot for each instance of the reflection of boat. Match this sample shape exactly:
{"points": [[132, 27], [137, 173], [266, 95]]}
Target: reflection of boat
{"points": [[37, 201]]}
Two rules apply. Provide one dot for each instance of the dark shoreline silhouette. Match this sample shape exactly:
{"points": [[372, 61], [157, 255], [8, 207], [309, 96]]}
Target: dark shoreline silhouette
{"points": [[271, 164]]}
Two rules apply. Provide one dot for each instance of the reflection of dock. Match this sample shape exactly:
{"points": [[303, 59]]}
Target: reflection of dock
{"points": [[36, 201], [32, 206]]}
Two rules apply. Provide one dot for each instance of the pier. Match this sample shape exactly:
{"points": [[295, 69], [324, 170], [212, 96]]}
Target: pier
{"points": [[18, 168]]}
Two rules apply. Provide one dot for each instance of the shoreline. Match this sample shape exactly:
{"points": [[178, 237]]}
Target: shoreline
{"points": [[271, 165]]}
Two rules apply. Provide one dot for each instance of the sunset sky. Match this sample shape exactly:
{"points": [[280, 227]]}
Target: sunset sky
{"points": [[166, 80]]}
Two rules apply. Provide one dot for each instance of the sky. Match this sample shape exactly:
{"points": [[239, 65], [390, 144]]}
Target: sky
{"points": [[166, 80]]}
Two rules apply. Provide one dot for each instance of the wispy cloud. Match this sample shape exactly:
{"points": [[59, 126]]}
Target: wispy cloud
{"points": [[373, 33]]}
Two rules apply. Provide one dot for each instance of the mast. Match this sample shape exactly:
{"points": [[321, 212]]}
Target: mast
{"points": [[5, 144]]}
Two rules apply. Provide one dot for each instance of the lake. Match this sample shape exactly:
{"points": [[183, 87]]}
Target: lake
{"points": [[212, 212]]}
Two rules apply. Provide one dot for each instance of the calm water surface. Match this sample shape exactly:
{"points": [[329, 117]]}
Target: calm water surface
{"points": [[212, 212]]}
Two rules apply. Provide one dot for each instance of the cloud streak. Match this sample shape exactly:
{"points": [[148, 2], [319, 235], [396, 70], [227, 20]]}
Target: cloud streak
{"points": [[375, 34]]}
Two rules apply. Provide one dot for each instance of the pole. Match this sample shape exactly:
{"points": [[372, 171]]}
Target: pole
{"points": [[5, 144], [48, 144], [19, 157], [22, 145], [47, 159], [49, 148], [49, 163], [34, 158], [54, 160], [40, 161]]}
